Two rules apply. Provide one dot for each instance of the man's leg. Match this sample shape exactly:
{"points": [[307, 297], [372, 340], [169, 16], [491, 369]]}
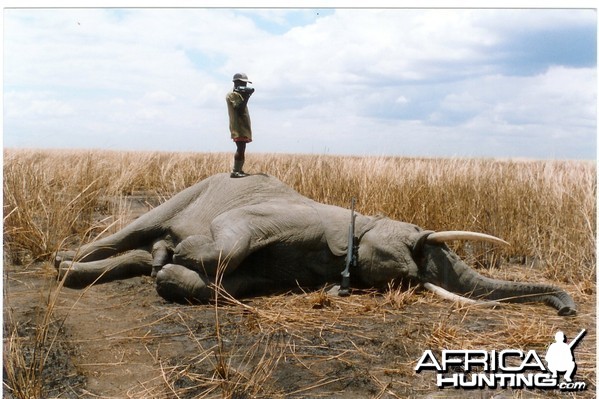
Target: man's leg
{"points": [[239, 160], [570, 371]]}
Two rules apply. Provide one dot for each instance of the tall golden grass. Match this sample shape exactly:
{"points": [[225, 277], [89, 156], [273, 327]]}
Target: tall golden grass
{"points": [[545, 209]]}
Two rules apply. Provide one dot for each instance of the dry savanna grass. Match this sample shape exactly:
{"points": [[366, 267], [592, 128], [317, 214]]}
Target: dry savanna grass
{"points": [[545, 209]]}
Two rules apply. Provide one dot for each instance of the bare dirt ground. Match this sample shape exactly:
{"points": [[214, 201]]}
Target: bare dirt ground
{"points": [[121, 340]]}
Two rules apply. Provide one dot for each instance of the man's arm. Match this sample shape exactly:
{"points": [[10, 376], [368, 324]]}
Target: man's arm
{"points": [[239, 100], [245, 95]]}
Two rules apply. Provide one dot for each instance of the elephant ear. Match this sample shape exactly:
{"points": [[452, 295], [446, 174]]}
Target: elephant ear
{"points": [[336, 227]]}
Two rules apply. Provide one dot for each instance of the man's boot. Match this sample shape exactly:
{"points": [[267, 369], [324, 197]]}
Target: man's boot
{"points": [[238, 170]]}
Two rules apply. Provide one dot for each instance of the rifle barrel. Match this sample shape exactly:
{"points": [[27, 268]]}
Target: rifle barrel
{"points": [[344, 288], [578, 337]]}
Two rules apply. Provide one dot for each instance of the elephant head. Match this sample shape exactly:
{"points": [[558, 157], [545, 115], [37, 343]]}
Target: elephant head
{"points": [[394, 250]]}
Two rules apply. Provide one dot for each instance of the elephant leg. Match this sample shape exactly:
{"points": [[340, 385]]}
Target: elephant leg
{"points": [[162, 253], [82, 274], [209, 257], [179, 284]]}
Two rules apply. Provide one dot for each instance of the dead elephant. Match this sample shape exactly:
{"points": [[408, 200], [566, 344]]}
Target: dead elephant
{"points": [[259, 235]]}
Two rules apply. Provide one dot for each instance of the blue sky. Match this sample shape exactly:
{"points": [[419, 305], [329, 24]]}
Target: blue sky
{"points": [[505, 83]]}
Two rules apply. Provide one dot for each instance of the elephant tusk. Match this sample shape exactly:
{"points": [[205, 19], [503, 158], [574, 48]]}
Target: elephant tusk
{"points": [[443, 236], [443, 293]]}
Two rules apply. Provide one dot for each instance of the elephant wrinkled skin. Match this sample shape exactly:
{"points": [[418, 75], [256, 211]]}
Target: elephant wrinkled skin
{"points": [[257, 235]]}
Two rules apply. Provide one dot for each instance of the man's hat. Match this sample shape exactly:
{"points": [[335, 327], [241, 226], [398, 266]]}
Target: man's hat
{"points": [[241, 77]]}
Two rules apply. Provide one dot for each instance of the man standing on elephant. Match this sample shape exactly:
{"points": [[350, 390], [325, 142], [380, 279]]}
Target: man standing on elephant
{"points": [[239, 120]]}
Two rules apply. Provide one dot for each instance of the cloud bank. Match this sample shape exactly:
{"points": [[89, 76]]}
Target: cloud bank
{"points": [[482, 83]]}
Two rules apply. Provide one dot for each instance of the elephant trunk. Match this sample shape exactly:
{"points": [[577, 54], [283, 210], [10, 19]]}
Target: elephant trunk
{"points": [[443, 267]]}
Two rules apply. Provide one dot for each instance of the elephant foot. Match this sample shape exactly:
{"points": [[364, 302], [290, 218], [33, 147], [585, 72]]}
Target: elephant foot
{"points": [[62, 256], [83, 274], [566, 311], [179, 284]]}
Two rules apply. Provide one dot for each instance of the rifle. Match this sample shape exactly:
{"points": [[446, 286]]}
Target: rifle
{"points": [[351, 259], [572, 343]]}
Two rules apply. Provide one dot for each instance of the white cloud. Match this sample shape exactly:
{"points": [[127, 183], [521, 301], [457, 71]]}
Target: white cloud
{"points": [[352, 81], [402, 100], [35, 105], [560, 97], [160, 97]]}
